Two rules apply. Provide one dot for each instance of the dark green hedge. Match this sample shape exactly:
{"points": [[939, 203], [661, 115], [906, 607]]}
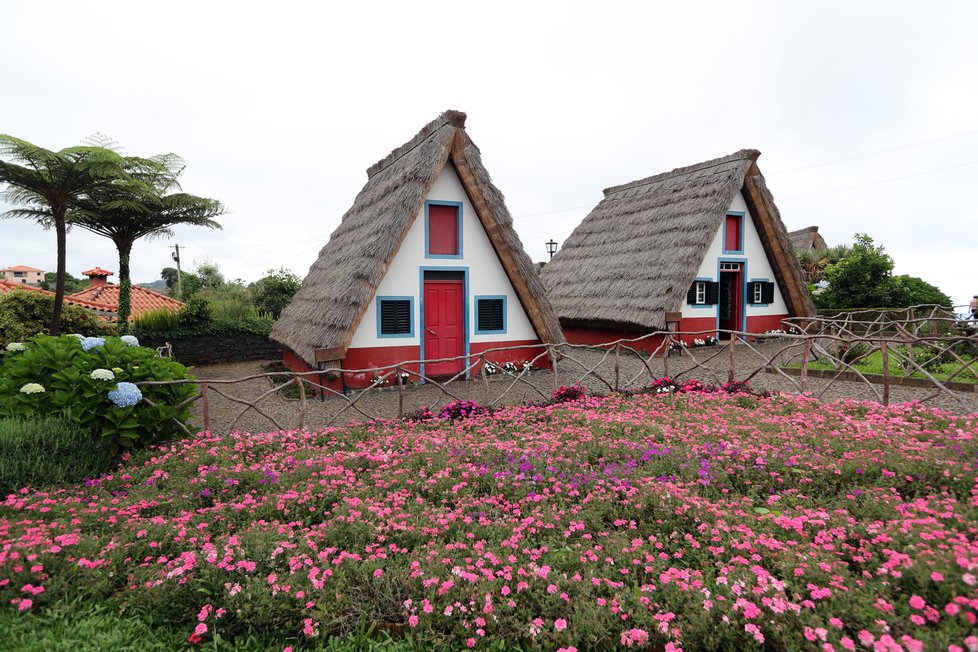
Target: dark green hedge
{"points": [[47, 451]]}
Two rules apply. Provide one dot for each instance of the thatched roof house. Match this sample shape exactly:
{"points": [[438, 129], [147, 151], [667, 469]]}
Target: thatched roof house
{"points": [[807, 239], [434, 182], [637, 256]]}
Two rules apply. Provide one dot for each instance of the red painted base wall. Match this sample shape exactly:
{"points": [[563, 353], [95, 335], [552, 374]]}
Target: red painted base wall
{"points": [[373, 357], [699, 327]]}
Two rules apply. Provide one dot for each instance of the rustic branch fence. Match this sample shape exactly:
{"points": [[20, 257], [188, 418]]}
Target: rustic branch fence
{"points": [[918, 340]]}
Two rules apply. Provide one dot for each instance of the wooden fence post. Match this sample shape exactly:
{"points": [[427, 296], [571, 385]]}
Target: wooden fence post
{"points": [[665, 355], [207, 411], [886, 372], [302, 401], [617, 367], [806, 354], [731, 375], [400, 392]]}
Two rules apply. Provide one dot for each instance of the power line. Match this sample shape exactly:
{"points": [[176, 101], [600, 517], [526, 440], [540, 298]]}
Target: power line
{"points": [[875, 183], [888, 150]]}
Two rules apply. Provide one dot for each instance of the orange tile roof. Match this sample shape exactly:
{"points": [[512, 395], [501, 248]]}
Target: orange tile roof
{"points": [[143, 300], [6, 286], [21, 268], [97, 271]]}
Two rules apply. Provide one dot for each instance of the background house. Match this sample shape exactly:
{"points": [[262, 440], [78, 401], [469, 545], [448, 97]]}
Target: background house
{"points": [[807, 240], [22, 275], [701, 248], [425, 265]]}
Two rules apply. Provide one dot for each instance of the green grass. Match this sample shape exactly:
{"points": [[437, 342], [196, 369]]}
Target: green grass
{"points": [[873, 364], [79, 626]]}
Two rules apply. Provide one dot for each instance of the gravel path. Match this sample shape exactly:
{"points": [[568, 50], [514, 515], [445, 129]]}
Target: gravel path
{"points": [[709, 365]]}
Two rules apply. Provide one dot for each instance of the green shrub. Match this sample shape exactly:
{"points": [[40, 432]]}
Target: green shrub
{"points": [[158, 320], [25, 313], [199, 318], [45, 451], [90, 382]]}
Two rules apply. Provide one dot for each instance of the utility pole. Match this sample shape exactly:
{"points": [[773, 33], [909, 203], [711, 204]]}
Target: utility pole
{"points": [[176, 257]]}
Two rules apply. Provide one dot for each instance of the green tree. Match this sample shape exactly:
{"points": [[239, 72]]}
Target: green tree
{"points": [[861, 279], [912, 291], [274, 291], [44, 185], [125, 216], [72, 283]]}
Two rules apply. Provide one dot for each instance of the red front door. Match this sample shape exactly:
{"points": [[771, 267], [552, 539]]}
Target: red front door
{"points": [[443, 326], [731, 299]]}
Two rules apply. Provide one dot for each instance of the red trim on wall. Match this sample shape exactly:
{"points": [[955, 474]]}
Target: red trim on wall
{"points": [[379, 356], [599, 336], [765, 323]]}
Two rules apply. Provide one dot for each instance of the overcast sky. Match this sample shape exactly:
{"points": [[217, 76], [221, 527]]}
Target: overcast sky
{"points": [[866, 113]]}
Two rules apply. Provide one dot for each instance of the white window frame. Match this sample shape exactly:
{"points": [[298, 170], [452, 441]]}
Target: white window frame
{"points": [[758, 292], [700, 293]]}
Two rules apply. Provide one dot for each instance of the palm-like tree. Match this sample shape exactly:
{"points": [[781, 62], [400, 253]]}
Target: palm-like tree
{"points": [[125, 215], [43, 185]]}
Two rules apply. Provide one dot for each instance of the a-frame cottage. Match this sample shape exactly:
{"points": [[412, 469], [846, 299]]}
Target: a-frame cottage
{"points": [[700, 248], [426, 265]]}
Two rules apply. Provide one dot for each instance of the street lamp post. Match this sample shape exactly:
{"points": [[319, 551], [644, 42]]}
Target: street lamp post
{"points": [[551, 248]]}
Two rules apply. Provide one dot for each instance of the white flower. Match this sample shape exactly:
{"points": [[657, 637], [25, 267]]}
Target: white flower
{"points": [[15, 346], [102, 374], [129, 340], [31, 388]]}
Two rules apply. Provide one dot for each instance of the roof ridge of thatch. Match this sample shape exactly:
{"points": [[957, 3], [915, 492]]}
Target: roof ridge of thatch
{"points": [[451, 116], [740, 155]]}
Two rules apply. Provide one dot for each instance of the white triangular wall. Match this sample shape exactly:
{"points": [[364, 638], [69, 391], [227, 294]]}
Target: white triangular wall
{"points": [[486, 275], [758, 267]]}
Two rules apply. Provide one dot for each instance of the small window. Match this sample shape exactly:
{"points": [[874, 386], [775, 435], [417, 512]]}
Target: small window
{"points": [[703, 293], [443, 229], [733, 234], [490, 315], [760, 292], [395, 317]]}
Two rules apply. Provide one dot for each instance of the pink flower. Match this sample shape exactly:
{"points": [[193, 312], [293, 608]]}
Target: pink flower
{"points": [[917, 602], [560, 624], [25, 604], [413, 620], [470, 643], [200, 629]]}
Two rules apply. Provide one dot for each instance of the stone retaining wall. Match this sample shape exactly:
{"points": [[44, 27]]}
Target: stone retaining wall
{"points": [[214, 349]]}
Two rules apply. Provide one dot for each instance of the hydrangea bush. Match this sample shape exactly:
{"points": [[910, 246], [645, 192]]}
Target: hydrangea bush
{"points": [[91, 381]]}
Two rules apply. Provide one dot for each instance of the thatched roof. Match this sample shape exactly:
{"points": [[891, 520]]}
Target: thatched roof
{"points": [[807, 239], [334, 296], [635, 255]]}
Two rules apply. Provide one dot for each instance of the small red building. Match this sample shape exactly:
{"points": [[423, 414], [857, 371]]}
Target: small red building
{"points": [[425, 266], [701, 248]]}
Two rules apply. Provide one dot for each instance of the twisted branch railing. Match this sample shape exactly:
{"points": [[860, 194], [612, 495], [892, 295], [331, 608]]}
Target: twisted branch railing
{"points": [[915, 339]]}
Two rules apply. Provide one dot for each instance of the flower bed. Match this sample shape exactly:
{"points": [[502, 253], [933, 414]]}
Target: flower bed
{"points": [[680, 519]]}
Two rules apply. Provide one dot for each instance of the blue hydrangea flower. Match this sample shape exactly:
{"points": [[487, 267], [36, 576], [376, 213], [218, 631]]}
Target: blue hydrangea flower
{"points": [[129, 340], [90, 343], [125, 395]]}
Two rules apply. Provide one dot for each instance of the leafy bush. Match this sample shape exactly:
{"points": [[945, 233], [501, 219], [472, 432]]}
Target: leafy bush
{"points": [[274, 291], [160, 320], [197, 319], [91, 381], [45, 451], [25, 313]]}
